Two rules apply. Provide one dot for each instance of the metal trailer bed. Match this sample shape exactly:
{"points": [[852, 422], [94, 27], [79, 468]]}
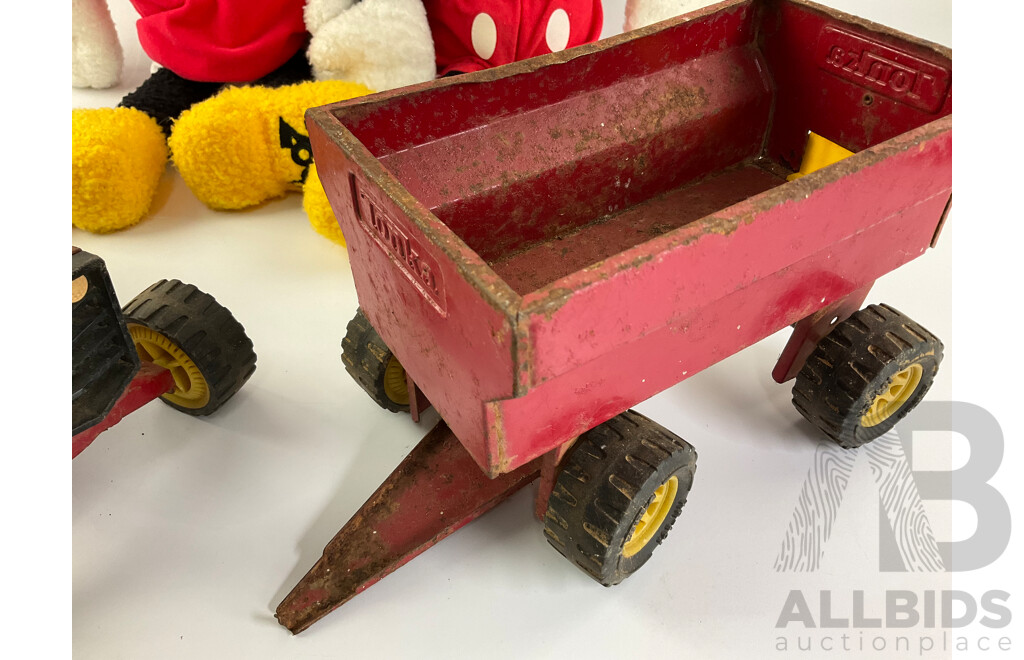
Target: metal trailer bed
{"points": [[545, 244]]}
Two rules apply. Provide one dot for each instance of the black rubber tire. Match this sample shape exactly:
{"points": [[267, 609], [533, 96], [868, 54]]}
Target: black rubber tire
{"points": [[855, 363], [366, 358], [606, 482], [204, 330]]}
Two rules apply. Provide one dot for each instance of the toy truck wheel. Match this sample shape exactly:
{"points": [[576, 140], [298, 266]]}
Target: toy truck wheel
{"points": [[866, 375], [373, 366], [180, 328], [621, 487]]}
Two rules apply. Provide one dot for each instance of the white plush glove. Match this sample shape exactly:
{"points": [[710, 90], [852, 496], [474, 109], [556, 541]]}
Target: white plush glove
{"points": [[641, 13], [382, 44], [96, 56], [318, 12]]}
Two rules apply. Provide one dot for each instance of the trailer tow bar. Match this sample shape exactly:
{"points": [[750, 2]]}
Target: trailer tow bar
{"points": [[434, 491]]}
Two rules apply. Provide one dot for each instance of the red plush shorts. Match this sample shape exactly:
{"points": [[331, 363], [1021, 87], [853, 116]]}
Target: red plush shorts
{"points": [[470, 35]]}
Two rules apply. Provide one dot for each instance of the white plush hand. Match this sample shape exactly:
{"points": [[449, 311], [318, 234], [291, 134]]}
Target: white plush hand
{"points": [[382, 44], [318, 12], [641, 13], [96, 56]]}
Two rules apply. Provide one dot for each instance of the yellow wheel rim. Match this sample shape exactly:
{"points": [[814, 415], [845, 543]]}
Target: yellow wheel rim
{"points": [[190, 388], [650, 522], [396, 387], [894, 396]]}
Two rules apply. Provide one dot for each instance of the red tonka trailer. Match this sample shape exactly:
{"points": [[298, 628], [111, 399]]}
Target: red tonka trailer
{"points": [[539, 247]]}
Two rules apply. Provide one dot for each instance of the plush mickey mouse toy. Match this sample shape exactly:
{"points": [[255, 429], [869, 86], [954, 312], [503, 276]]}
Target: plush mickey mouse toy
{"points": [[200, 46], [234, 78]]}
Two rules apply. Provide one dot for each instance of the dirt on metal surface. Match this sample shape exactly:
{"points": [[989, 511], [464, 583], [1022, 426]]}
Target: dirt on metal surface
{"points": [[629, 201], [437, 489]]}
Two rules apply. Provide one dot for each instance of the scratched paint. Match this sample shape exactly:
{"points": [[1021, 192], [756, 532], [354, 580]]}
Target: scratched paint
{"points": [[592, 209]]}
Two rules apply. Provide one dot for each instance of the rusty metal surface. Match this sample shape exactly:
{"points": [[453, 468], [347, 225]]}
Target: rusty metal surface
{"points": [[546, 244], [942, 222], [541, 174], [629, 328], [857, 82], [550, 465], [810, 330], [149, 383], [418, 402], [536, 265], [455, 357], [437, 489]]}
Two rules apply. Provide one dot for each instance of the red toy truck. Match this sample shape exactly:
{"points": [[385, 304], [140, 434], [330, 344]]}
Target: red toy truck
{"points": [[538, 247], [171, 342]]}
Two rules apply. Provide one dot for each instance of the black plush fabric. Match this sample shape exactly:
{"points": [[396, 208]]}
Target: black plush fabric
{"points": [[295, 70], [165, 95]]}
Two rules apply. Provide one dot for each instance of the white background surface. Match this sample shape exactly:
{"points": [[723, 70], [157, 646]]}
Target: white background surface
{"points": [[188, 532]]}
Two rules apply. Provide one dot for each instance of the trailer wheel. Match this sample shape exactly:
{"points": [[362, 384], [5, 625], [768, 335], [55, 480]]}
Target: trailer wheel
{"points": [[373, 366], [180, 328], [621, 487], [866, 375]]}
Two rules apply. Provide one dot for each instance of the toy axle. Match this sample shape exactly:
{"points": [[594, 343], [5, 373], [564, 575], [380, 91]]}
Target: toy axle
{"points": [[149, 383]]}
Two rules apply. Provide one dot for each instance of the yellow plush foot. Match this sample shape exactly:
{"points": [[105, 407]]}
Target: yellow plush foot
{"points": [[318, 209], [117, 157], [249, 144]]}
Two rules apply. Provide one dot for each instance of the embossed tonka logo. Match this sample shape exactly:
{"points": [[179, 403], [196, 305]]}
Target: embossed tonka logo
{"points": [[410, 257], [879, 68], [906, 539]]}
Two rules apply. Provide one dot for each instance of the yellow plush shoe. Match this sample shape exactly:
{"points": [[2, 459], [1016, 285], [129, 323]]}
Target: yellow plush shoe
{"points": [[117, 158], [318, 208], [249, 144]]}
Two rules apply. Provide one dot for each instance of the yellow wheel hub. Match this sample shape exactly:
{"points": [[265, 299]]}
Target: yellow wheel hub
{"points": [[655, 514], [396, 387], [190, 388], [894, 396]]}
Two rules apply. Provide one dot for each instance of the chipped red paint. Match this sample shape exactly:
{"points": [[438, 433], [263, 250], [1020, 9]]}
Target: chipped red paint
{"points": [[436, 490], [567, 236], [546, 244], [149, 383], [848, 109], [550, 465], [810, 330], [417, 402]]}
